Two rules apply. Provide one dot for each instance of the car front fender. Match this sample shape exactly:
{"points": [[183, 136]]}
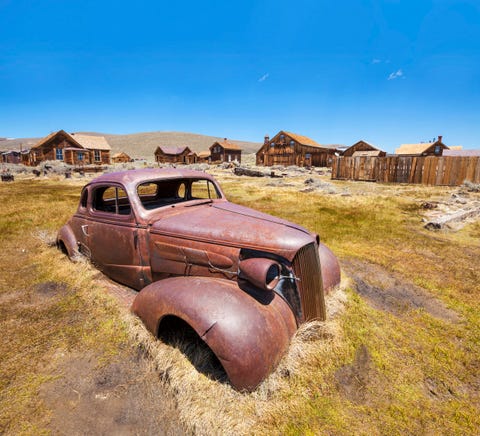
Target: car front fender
{"points": [[330, 268], [249, 335]]}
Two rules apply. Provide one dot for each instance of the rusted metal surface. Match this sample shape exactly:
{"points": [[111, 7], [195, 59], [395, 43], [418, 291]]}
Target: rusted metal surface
{"points": [[241, 278], [247, 334]]}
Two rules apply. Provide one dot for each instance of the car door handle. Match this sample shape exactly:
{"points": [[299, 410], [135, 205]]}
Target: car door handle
{"points": [[84, 229]]}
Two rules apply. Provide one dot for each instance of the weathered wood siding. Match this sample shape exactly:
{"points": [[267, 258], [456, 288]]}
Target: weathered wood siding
{"points": [[427, 170], [300, 155]]}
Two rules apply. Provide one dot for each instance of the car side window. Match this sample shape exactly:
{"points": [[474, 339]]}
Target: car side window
{"points": [[203, 189], [161, 193], [84, 198], [111, 199]]}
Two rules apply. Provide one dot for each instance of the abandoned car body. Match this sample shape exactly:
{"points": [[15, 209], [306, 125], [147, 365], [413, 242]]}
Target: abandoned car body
{"points": [[242, 279]]}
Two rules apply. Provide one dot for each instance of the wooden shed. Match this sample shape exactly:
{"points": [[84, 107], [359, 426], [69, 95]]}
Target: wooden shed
{"points": [[287, 148], [180, 155], [12, 157], [225, 151], [73, 149], [434, 148], [121, 158], [204, 156], [363, 148]]}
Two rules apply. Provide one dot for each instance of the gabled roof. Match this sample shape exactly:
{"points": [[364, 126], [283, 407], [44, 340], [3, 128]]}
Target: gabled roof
{"points": [[92, 142], [81, 141], [365, 142], [226, 145], [52, 135], [417, 148], [120, 154], [204, 154], [172, 150]]}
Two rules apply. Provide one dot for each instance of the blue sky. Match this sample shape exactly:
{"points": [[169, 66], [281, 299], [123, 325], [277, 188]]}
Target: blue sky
{"points": [[389, 72]]}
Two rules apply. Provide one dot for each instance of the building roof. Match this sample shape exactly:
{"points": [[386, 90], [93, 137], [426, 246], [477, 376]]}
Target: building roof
{"points": [[227, 145], [52, 135], [461, 153], [367, 153], [455, 147], [417, 148], [304, 140], [204, 154], [120, 154], [92, 142], [82, 141], [172, 150]]}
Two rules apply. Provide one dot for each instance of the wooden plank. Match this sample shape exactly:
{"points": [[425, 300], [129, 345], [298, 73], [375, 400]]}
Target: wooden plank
{"points": [[440, 171], [470, 174], [476, 177], [433, 170]]}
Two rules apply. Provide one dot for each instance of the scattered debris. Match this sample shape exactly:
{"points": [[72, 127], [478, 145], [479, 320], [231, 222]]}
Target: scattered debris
{"points": [[242, 171], [451, 218], [429, 205]]}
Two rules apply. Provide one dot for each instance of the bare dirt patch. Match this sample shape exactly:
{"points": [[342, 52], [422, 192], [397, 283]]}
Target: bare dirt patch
{"points": [[123, 397], [392, 293], [354, 380]]}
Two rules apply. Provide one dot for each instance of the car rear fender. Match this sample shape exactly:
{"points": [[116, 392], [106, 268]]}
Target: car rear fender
{"points": [[67, 238], [249, 335]]}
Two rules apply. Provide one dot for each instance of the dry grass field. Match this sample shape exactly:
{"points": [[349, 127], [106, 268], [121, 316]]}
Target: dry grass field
{"points": [[399, 353]]}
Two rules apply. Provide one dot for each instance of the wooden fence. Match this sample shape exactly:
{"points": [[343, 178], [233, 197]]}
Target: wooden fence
{"points": [[428, 170]]}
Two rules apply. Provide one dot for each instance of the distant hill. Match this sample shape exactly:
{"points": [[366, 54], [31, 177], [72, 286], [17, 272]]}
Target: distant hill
{"points": [[140, 145]]}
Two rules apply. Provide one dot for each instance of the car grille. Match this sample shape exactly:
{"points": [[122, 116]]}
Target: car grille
{"points": [[306, 266]]}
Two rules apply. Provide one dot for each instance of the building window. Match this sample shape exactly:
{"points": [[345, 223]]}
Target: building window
{"points": [[272, 144], [97, 155], [437, 149], [80, 156], [59, 154]]}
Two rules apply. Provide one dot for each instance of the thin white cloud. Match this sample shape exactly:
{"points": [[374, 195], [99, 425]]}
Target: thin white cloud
{"points": [[264, 77], [376, 61], [395, 75]]}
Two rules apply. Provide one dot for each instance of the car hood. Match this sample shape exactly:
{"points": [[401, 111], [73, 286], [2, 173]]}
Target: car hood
{"points": [[232, 225]]}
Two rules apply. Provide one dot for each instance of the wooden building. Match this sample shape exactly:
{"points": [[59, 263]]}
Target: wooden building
{"points": [[434, 148], [225, 151], [203, 156], [97, 145], [287, 148], [363, 148], [73, 149], [121, 158], [180, 155], [11, 157]]}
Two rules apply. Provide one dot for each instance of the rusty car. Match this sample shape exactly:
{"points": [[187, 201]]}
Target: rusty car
{"points": [[241, 279]]}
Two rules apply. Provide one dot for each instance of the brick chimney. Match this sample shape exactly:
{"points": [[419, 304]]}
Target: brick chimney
{"points": [[440, 138], [267, 139]]}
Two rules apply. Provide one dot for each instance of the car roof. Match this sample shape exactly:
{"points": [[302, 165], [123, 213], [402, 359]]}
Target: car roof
{"points": [[134, 177]]}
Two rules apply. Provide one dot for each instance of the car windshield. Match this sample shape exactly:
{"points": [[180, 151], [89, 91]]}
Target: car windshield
{"points": [[159, 193]]}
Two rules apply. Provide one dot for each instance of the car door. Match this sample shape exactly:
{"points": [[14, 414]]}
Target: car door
{"points": [[113, 235]]}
